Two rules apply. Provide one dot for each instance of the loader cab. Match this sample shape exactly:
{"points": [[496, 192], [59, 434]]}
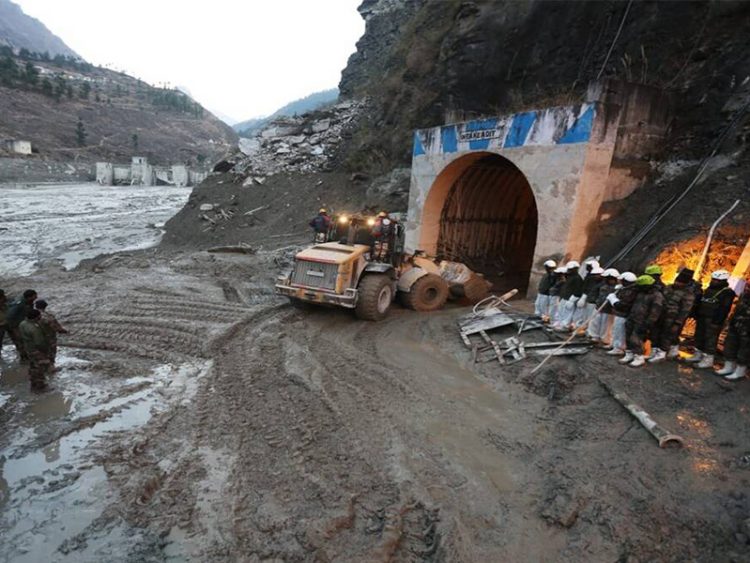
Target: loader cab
{"points": [[358, 229]]}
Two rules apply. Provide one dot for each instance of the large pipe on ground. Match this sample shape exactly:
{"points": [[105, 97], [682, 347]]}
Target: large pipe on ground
{"points": [[664, 437]]}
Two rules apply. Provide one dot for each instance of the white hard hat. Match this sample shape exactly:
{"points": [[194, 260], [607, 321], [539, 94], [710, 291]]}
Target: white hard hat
{"points": [[593, 262], [720, 275], [550, 264], [597, 270], [572, 264], [561, 270], [629, 277], [610, 273]]}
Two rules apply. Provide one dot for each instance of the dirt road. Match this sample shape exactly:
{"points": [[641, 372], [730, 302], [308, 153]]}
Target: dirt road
{"points": [[208, 421]]}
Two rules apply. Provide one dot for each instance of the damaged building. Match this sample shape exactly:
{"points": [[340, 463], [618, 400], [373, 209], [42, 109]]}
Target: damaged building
{"points": [[141, 173]]}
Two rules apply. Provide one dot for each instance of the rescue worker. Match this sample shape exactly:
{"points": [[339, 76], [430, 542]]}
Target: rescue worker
{"points": [[554, 293], [601, 325], [586, 305], [3, 317], [655, 271], [712, 312], [737, 342], [382, 231], [621, 302], [644, 314], [16, 315], [679, 299], [36, 345], [51, 328], [543, 301], [570, 292], [320, 224]]}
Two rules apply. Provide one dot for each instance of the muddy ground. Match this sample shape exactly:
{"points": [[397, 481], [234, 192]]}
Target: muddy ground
{"points": [[198, 417]]}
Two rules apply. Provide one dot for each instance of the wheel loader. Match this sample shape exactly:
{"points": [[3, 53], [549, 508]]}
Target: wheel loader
{"points": [[360, 271]]}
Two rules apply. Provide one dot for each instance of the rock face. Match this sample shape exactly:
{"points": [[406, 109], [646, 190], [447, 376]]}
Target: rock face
{"points": [[23, 32]]}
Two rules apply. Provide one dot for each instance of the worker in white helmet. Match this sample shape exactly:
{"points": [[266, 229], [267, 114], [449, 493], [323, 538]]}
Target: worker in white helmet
{"points": [[601, 324], [561, 274], [542, 303], [586, 305], [570, 293], [620, 303]]}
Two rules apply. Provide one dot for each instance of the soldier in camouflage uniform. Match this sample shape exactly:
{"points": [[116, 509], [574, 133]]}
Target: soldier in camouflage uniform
{"points": [[51, 328], [16, 315], [36, 345], [737, 342], [679, 299], [643, 315], [712, 312]]}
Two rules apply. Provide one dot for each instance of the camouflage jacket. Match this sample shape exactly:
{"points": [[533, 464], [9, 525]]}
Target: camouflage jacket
{"points": [[678, 302], [50, 326], [740, 321], [647, 308], [626, 296], [33, 336]]}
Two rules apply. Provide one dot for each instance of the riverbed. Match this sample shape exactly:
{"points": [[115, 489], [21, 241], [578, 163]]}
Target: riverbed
{"points": [[62, 224]]}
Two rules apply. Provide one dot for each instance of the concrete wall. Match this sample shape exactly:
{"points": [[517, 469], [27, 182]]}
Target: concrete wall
{"points": [[105, 173], [17, 147], [180, 175], [575, 158]]}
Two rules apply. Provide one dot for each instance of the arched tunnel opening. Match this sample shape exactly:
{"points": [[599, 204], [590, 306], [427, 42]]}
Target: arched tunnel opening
{"points": [[489, 222]]}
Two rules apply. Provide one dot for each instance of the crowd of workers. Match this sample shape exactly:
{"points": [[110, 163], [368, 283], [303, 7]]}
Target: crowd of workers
{"points": [[622, 311], [33, 331]]}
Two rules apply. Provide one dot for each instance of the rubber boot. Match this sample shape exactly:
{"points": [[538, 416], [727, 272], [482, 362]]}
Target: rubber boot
{"points": [[638, 361], [615, 352], [707, 362], [627, 358], [658, 356], [739, 373], [674, 352], [728, 368], [695, 358]]}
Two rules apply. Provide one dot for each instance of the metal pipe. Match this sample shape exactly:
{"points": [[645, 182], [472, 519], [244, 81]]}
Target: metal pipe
{"points": [[701, 263]]}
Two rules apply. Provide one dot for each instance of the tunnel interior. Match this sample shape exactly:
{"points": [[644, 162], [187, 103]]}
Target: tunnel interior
{"points": [[489, 222]]}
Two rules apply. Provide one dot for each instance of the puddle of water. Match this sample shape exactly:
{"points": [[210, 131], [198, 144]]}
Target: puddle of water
{"points": [[50, 494]]}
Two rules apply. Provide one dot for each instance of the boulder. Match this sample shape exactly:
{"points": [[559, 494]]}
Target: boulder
{"points": [[206, 207], [320, 126]]}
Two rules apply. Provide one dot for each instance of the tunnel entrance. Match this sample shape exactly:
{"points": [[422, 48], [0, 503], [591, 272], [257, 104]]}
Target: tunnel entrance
{"points": [[489, 222]]}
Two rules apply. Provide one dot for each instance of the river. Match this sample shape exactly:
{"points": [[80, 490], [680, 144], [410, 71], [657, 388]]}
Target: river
{"points": [[66, 223]]}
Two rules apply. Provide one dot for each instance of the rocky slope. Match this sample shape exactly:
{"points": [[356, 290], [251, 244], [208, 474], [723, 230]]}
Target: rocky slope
{"points": [[425, 63], [24, 32]]}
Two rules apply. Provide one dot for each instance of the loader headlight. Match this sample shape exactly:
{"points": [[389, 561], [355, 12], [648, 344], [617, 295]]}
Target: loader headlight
{"points": [[370, 222], [343, 219]]}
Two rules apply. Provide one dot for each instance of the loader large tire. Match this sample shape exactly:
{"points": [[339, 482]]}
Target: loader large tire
{"points": [[429, 293], [375, 297]]}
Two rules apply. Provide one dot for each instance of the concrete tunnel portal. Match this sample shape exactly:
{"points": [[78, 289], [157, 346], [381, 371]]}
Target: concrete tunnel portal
{"points": [[483, 213]]}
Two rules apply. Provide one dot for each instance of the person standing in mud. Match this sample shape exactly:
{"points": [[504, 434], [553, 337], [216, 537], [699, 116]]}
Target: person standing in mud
{"points": [[321, 224], [37, 347], [570, 293], [712, 312], [679, 299], [644, 314], [542, 305], [17, 313], [51, 328], [3, 317], [737, 342]]}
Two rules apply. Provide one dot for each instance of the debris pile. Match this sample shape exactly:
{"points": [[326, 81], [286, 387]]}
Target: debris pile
{"points": [[305, 143], [495, 313]]}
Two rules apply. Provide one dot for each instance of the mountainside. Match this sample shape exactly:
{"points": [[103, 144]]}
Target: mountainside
{"points": [[42, 100], [309, 103], [425, 63], [24, 32]]}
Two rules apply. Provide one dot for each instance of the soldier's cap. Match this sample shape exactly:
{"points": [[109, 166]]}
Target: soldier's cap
{"points": [[645, 280], [653, 270], [40, 304]]}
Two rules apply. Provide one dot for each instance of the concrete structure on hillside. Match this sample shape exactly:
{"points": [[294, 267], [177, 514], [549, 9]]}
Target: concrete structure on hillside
{"points": [[504, 194], [15, 146], [140, 172]]}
